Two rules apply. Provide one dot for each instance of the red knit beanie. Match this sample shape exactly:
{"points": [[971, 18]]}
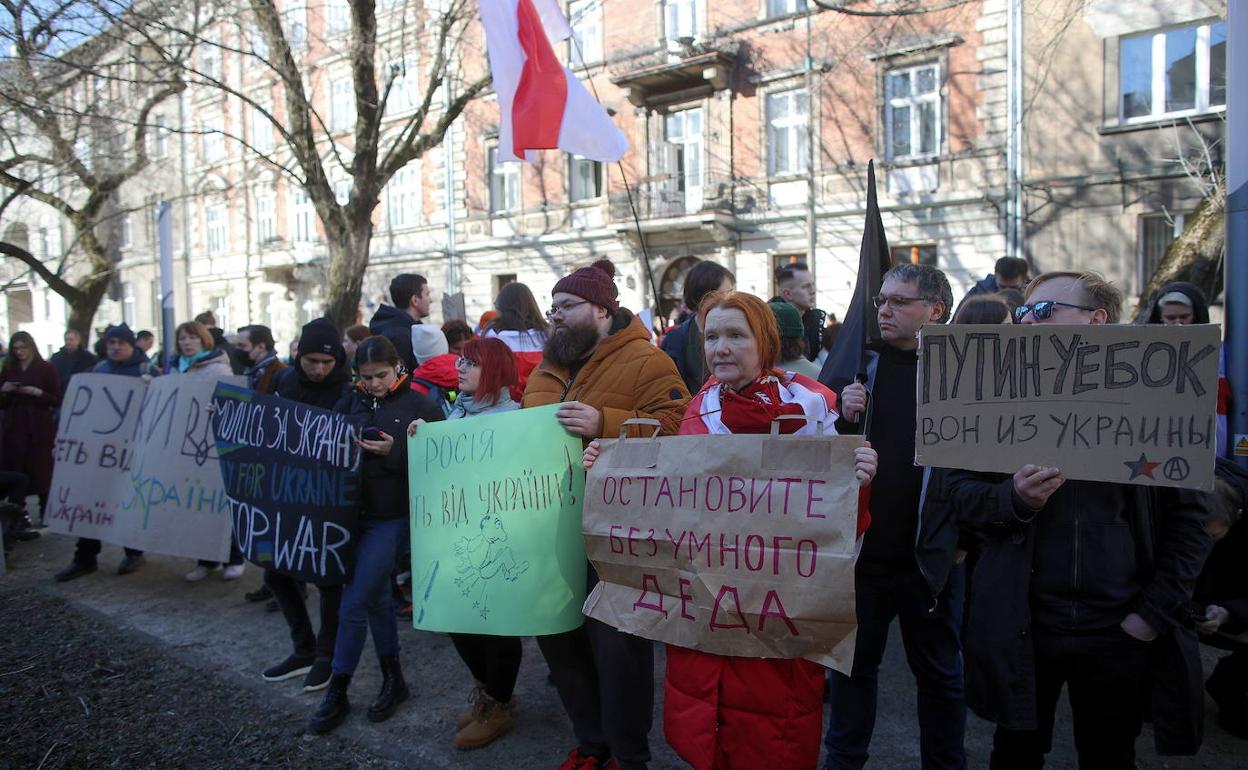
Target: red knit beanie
{"points": [[595, 283]]}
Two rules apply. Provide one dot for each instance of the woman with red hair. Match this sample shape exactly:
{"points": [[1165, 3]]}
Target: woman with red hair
{"points": [[722, 712], [487, 371]]}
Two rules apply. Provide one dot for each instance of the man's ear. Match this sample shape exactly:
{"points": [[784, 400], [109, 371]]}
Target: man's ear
{"points": [[1100, 316], [938, 311]]}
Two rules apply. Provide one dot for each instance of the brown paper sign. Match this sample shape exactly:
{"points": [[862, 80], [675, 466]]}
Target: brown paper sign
{"points": [[730, 544], [1131, 404]]}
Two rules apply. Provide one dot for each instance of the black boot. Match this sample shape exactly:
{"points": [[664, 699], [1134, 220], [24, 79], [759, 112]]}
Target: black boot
{"points": [[334, 708], [393, 690]]}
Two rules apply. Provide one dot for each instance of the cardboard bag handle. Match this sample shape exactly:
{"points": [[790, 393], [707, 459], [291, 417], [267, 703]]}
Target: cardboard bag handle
{"points": [[653, 423], [775, 422]]}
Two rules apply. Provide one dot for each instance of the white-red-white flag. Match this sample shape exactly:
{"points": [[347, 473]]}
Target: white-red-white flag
{"points": [[542, 105]]}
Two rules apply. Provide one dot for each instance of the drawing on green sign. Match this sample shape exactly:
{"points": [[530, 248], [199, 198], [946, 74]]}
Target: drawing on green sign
{"points": [[484, 557]]}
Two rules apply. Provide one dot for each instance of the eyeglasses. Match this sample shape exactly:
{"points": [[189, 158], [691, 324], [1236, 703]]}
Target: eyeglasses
{"points": [[1043, 310], [563, 309], [464, 364], [896, 301]]}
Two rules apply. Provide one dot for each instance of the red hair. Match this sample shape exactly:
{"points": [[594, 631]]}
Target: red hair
{"points": [[498, 367], [758, 316]]}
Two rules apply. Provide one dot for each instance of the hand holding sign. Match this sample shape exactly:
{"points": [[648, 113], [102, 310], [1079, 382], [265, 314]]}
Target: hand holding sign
{"points": [[591, 454], [580, 419], [1034, 484]]}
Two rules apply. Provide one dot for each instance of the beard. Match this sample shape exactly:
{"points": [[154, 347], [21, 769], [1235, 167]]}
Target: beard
{"points": [[569, 345]]}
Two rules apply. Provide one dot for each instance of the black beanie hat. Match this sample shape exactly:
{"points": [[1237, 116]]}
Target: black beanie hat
{"points": [[321, 336], [122, 332]]}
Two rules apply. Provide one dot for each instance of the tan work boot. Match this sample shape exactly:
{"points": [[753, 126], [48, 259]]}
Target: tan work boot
{"points": [[474, 703], [491, 721]]}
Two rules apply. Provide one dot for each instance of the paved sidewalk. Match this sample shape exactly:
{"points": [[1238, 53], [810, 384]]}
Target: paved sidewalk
{"points": [[210, 627]]}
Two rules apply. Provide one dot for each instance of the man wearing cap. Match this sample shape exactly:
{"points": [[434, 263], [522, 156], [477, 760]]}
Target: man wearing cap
{"points": [[598, 364], [124, 358], [318, 376]]}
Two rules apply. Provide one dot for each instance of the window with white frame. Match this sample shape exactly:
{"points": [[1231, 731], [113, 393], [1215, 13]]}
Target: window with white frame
{"points": [[259, 46], [159, 137], [1157, 232], [266, 224], [403, 96], [337, 16], [212, 128], [912, 112], [214, 227], [584, 178], [784, 7], [341, 103], [585, 44], [681, 19], [1172, 72], [261, 131], [127, 230], [786, 132], [504, 183], [302, 228], [295, 20], [403, 197], [210, 59]]}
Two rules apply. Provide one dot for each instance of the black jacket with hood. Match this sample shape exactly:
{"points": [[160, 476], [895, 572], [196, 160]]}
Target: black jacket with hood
{"points": [[396, 326], [1200, 306], [383, 480], [293, 383]]}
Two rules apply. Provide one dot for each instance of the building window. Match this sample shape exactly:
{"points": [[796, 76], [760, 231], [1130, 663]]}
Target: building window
{"points": [[585, 44], [128, 305], [213, 139], [210, 60], [1172, 72], [504, 183], [1157, 232], [259, 46], [784, 7], [266, 225], [341, 104], [127, 231], [403, 96], [922, 254], [681, 19], [403, 197], [912, 114], [261, 131], [159, 137], [338, 16], [501, 280], [295, 19], [302, 228], [786, 132], [214, 228], [584, 178]]}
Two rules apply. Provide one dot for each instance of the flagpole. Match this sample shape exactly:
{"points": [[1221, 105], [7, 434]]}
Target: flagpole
{"points": [[1236, 269]]}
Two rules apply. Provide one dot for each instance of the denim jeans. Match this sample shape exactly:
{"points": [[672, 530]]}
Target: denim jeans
{"points": [[934, 651], [367, 603]]}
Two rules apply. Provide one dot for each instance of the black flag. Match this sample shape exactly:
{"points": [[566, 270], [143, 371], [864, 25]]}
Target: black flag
{"points": [[847, 359]]}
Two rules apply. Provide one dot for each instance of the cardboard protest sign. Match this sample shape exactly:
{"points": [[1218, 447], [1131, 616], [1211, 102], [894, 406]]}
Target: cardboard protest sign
{"points": [[135, 466], [496, 525], [729, 544], [292, 474], [1131, 404]]}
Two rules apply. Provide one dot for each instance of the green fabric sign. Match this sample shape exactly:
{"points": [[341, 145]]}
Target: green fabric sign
{"points": [[496, 525]]}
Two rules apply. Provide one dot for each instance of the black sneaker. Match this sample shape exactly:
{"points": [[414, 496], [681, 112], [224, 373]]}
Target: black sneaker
{"points": [[288, 669], [318, 676], [261, 594], [129, 564], [272, 606], [75, 570]]}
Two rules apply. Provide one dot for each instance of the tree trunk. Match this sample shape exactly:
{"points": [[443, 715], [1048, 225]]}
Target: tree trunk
{"points": [[82, 311], [348, 259], [1195, 256]]}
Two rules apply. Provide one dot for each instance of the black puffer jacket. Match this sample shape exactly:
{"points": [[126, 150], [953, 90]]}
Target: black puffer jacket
{"points": [[384, 479], [396, 326]]}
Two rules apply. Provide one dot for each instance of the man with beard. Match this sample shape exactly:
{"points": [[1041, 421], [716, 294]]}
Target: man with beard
{"points": [[599, 364]]}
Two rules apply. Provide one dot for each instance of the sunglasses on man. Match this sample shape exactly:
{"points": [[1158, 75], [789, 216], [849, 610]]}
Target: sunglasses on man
{"points": [[1043, 310]]}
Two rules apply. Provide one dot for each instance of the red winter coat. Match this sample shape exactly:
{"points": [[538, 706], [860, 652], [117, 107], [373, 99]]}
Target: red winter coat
{"points": [[724, 712]]}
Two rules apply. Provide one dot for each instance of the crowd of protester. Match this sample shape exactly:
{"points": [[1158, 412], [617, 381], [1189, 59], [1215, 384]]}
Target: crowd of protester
{"points": [[1006, 589]]}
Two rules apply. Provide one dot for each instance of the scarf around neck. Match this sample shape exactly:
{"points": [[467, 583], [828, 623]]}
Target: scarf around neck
{"points": [[753, 408]]}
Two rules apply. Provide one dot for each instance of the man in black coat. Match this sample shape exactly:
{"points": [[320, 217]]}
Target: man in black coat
{"points": [[795, 284], [411, 296], [1079, 584], [72, 359]]}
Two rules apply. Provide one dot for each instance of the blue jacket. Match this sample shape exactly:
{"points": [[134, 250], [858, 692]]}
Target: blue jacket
{"points": [[136, 366]]}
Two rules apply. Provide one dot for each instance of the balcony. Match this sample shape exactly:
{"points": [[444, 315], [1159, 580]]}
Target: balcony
{"points": [[674, 196]]}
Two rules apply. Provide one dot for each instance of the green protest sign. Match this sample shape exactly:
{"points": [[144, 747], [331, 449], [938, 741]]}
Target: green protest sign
{"points": [[496, 525]]}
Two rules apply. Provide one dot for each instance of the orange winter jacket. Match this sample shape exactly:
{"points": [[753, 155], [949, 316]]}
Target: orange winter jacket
{"points": [[625, 377]]}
